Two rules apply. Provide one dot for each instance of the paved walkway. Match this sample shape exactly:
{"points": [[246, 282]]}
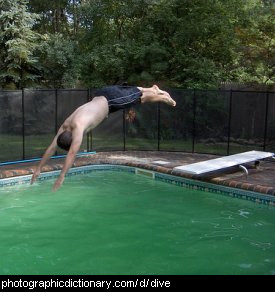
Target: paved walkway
{"points": [[261, 179]]}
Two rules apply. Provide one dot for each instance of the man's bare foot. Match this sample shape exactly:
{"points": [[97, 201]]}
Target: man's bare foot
{"points": [[157, 90], [166, 96], [169, 101]]}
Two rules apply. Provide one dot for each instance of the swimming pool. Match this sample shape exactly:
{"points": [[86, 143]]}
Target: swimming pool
{"points": [[115, 222]]}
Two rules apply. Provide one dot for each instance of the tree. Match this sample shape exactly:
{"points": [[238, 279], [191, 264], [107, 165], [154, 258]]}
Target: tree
{"points": [[59, 61], [54, 15], [186, 43], [18, 43], [257, 44], [111, 49]]}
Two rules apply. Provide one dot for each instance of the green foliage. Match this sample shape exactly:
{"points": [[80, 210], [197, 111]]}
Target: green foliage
{"points": [[185, 43], [59, 62], [258, 44], [53, 15], [18, 43]]}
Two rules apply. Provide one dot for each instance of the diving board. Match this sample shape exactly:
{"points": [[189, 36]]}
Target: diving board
{"points": [[211, 165]]}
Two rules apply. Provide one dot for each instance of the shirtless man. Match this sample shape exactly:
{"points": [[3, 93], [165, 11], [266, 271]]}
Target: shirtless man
{"points": [[88, 116]]}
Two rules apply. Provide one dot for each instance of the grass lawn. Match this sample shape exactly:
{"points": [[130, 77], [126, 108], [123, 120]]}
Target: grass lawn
{"points": [[35, 145], [101, 143]]}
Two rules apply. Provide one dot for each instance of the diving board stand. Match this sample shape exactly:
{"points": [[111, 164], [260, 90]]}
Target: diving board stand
{"points": [[225, 162]]}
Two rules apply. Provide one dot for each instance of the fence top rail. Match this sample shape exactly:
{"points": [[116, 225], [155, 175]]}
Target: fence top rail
{"points": [[172, 88], [42, 89], [221, 90], [9, 90]]}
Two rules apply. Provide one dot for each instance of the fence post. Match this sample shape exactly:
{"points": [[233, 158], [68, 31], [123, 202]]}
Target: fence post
{"points": [[229, 122], [56, 113], [88, 134], [266, 118], [158, 126], [56, 110], [23, 123], [194, 120], [124, 130]]}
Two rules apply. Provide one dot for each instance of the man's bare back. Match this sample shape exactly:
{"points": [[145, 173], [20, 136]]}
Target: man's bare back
{"points": [[88, 116]]}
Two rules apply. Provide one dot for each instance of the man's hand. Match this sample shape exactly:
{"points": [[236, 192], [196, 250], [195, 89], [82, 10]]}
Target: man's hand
{"points": [[36, 173], [58, 184]]}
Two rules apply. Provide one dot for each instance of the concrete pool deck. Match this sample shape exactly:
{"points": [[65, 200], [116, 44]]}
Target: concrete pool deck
{"points": [[261, 179]]}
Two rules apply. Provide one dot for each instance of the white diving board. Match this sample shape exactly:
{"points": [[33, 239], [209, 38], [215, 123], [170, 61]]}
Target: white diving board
{"points": [[211, 165], [161, 162]]}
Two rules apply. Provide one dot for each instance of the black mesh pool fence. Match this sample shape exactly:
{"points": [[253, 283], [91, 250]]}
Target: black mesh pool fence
{"points": [[219, 122]]}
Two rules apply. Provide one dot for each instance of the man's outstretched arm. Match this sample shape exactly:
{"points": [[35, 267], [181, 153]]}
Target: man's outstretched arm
{"points": [[77, 137], [49, 152]]}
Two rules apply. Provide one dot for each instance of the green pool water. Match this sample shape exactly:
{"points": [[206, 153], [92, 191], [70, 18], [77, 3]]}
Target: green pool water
{"points": [[120, 223]]}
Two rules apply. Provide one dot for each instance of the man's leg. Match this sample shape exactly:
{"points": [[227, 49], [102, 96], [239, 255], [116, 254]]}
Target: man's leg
{"points": [[154, 94]]}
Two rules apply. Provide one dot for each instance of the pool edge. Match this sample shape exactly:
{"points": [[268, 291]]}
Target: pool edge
{"points": [[186, 182]]}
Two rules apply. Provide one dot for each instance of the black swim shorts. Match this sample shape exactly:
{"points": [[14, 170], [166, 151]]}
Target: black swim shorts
{"points": [[120, 97]]}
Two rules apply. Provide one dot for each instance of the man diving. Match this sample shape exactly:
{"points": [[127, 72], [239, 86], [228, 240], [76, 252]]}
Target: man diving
{"points": [[88, 116]]}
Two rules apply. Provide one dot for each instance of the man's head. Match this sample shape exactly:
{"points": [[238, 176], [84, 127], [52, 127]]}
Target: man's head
{"points": [[64, 140]]}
